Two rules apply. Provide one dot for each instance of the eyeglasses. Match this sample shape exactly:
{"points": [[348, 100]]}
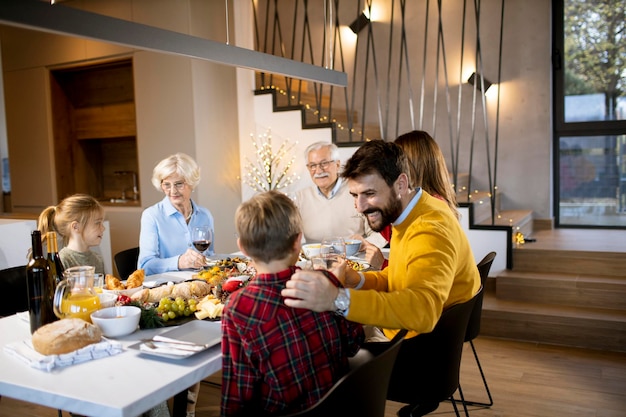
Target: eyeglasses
{"points": [[323, 165], [166, 186]]}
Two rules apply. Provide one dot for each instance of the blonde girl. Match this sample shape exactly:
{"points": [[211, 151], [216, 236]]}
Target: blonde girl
{"points": [[79, 220]]}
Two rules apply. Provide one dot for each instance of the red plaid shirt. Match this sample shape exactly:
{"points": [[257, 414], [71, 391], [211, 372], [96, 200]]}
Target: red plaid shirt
{"points": [[277, 359]]}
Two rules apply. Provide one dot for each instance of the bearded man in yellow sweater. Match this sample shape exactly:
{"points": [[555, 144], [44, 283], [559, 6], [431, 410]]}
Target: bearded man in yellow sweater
{"points": [[431, 265]]}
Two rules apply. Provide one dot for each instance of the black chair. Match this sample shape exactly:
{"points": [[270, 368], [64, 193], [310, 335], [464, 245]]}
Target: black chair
{"points": [[427, 368], [473, 327], [126, 262], [361, 392], [14, 290]]}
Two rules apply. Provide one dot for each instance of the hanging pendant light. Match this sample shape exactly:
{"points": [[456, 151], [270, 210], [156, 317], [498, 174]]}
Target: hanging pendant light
{"points": [[63, 20]]}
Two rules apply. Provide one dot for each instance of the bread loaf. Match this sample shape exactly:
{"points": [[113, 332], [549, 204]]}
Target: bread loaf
{"points": [[65, 336], [185, 290]]}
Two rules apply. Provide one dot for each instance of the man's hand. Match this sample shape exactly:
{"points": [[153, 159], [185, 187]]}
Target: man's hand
{"points": [[311, 290], [373, 255]]}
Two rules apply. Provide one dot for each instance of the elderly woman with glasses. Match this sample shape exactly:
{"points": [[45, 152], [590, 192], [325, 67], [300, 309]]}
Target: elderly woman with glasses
{"points": [[165, 240]]}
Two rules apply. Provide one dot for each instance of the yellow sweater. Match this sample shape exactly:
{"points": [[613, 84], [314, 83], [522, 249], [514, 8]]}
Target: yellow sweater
{"points": [[431, 267]]}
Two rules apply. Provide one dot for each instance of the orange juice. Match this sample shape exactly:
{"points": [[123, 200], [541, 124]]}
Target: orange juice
{"points": [[80, 306]]}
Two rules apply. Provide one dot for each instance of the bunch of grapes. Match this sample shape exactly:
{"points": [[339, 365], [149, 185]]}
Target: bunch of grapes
{"points": [[170, 309]]}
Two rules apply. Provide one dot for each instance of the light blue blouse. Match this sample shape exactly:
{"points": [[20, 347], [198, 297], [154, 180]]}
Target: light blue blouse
{"points": [[165, 235]]}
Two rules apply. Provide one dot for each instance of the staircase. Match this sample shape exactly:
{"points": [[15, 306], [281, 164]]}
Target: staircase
{"points": [[519, 220], [571, 298]]}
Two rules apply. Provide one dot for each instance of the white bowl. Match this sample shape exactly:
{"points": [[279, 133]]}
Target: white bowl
{"points": [[352, 246], [311, 250], [107, 299], [117, 321]]}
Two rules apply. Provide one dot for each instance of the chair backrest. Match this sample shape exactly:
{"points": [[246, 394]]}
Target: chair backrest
{"points": [[126, 262], [363, 391], [473, 327], [14, 290], [427, 366]]}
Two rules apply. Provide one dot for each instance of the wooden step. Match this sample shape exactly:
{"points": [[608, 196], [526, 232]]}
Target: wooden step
{"points": [[527, 259], [559, 325], [562, 289], [520, 220]]}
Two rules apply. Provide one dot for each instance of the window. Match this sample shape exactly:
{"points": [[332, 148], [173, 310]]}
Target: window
{"points": [[589, 64]]}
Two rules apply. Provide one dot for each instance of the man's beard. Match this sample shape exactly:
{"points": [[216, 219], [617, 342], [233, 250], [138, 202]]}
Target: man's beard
{"points": [[388, 214]]}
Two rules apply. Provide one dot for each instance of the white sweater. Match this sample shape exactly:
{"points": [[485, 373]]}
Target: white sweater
{"points": [[323, 217]]}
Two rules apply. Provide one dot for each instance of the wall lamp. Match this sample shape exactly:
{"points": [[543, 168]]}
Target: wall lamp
{"points": [[473, 78], [359, 23]]}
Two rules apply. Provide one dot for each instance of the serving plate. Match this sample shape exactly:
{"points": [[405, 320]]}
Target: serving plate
{"points": [[172, 277], [128, 291], [204, 334]]}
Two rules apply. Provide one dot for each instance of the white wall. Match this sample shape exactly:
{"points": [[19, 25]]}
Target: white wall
{"points": [[15, 241]]}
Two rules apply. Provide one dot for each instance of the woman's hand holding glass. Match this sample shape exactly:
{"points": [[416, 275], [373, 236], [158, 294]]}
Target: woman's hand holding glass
{"points": [[191, 259], [201, 237]]}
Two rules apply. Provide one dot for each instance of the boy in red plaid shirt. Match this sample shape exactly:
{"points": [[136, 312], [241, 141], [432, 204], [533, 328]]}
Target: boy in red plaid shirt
{"points": [[277, 359]]}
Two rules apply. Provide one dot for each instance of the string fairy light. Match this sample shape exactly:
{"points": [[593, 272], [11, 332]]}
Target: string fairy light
{"points": [[270, 170]]}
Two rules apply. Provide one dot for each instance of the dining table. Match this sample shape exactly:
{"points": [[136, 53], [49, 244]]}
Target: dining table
{"points": [[123, 385]]}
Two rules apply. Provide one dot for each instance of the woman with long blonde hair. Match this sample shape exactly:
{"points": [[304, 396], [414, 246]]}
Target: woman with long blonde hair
{"points": [[428, 167]]}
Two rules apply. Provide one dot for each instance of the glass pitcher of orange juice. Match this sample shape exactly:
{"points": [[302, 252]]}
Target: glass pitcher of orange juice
{"points": [[75, 296]]}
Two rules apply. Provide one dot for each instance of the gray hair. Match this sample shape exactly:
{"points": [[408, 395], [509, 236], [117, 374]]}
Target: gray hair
{"points": [[334, 150], [179, 163]]}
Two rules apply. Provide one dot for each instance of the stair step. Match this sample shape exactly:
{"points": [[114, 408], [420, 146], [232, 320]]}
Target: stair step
{"points": [[562, 289], [520, 220], [462, 181], [527, 259], [481, 201], [590, 328]]}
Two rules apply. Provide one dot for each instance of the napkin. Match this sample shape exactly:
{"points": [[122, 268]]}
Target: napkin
{"points": [[24, 351], [164, 349], [183, 343]]}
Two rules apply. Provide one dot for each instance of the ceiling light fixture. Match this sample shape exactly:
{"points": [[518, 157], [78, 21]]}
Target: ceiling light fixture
{"points": [[63, 20]]}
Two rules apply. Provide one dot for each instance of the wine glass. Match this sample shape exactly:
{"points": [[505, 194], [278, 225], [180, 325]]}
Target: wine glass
{"points": [[201, 238], [331, 250]]}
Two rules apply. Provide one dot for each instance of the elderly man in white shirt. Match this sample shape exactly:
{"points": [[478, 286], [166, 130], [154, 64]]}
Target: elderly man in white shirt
{"points": [[327, 208]]}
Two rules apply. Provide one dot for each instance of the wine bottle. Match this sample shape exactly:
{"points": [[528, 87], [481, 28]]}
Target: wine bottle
{"points": [[54, 260], [40, 287]]}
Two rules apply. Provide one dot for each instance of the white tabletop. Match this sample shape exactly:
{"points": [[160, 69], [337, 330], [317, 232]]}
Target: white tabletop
{"points": [[124, 385]]}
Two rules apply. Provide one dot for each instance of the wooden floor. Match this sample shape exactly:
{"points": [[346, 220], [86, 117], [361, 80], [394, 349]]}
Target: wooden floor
{"points": [[526, 380]]}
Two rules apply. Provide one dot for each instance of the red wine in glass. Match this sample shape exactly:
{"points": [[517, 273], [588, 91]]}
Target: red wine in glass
{"points": [[201, 238], [201, 245]]}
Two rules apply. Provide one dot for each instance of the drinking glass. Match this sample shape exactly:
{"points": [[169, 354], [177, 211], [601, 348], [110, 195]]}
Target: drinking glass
{"points": [[331, 250], [201, 238]]}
